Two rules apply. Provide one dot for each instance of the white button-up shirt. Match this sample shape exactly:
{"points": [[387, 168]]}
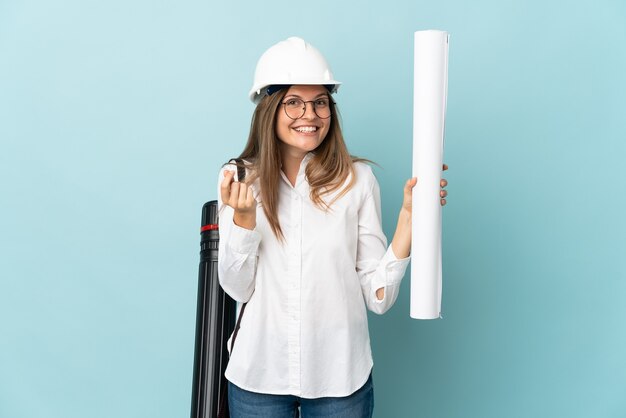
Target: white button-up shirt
{"points": [[304, 331]]}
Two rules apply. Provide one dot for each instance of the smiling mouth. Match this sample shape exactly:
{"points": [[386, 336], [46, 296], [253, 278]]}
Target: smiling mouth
{"points": [[306, 129]]}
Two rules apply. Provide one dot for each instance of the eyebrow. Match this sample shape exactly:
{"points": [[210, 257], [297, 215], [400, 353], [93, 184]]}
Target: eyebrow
{"points": [[300, 97]]}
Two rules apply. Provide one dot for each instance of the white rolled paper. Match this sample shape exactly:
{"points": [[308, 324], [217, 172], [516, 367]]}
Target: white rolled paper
{"points": [[429, 111]]}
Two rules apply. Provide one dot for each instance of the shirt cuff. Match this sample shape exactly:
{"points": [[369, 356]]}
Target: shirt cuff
{"points": [[390, 270], [244, 241]]}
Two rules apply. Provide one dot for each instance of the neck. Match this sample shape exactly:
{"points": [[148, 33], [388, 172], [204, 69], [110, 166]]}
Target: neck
{"points": [[291, 166]]}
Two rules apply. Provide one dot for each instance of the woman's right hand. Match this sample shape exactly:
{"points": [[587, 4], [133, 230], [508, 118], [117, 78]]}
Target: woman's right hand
{"points": [[239, 197]]}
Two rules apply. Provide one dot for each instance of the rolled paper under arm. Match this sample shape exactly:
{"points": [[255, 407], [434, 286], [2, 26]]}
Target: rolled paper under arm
{"points": [[429, 110]]}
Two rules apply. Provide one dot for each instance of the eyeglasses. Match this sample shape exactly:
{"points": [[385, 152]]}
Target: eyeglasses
{"points": [[296, 108]]}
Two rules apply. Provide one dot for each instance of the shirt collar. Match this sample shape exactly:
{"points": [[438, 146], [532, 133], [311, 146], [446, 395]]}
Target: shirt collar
{"points": [[301, 177]]}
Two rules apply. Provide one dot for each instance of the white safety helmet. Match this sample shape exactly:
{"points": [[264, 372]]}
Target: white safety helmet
{"points": [[292, 61]]}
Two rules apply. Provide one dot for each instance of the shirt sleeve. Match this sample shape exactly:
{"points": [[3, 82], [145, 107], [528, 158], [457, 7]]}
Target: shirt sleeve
{"points": [[377, 265], [238, 252]]}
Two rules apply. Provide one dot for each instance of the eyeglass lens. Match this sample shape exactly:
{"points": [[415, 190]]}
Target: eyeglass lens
{"points": [[296, 108]]}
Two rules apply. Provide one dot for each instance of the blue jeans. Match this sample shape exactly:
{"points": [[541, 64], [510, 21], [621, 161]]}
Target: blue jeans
{"points": [[245, 404]]}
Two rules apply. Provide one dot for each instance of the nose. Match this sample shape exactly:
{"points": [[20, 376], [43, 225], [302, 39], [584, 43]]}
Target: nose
{"points": [[309, 114]]}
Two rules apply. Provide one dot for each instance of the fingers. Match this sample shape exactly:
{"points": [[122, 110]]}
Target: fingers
{"points": [[235, 194], [233, 198], [225, 186], [410, 183], [443, 183], [242, 196], [408, 188], [408, 194], [250, 201]]}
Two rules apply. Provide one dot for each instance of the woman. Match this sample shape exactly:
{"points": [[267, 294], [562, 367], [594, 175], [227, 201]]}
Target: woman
{"points": [[301, 242]]}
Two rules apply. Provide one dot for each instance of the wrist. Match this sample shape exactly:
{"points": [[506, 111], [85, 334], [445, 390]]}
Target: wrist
{"points": [[401, 243], [245, 220], [404, 216]]}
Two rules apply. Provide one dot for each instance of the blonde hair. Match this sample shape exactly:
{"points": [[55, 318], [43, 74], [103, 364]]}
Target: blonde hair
{"points": [[326, 172]]}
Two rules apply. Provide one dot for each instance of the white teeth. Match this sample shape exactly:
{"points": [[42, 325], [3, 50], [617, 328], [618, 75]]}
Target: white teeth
{"points": [[305, 129]]}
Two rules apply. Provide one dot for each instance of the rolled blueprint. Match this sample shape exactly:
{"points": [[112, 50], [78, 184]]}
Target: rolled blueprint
{"points": [[429, 110]]}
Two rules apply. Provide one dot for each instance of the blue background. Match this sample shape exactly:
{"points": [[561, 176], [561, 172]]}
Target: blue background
{"points": [[115, 117]]}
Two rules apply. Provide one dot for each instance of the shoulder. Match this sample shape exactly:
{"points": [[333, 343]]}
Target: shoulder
{"points": [[365, 177], [362, 167]]}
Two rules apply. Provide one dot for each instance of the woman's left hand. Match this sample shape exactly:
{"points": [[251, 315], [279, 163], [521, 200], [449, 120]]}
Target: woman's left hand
{"points": [[401, 243], [408, 188]]}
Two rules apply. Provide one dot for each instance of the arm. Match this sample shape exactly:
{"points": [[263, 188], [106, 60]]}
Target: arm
{"points": [[401, 243], [239, 242], [378, 267]]}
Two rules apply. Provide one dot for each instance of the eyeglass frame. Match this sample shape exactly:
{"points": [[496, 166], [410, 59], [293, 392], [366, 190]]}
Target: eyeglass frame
{"points": [[304, 102]]}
